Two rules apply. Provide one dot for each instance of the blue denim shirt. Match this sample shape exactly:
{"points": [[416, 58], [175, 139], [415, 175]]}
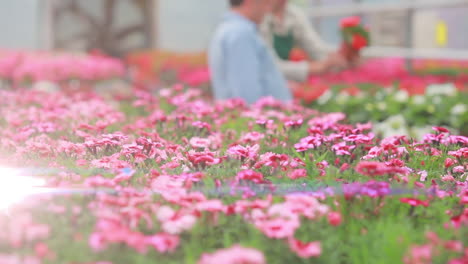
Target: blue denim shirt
{"points": [[241, 65]]}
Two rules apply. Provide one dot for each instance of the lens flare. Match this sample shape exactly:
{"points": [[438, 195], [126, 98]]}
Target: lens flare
{"points": [[14, 188]]}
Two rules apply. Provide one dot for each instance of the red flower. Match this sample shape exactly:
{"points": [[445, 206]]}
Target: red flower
{"points": [[358, 42], [297, 55], [459, 220], [350, 21], [344, 167], [414, 202], [441, 129]]}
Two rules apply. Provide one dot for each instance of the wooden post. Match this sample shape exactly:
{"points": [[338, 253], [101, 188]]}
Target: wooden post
{"points": [[155, 25], [47, 25]]}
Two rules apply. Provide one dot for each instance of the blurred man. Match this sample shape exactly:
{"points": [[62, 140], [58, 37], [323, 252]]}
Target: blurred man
{"points": [[287, 27], [240, 63]]}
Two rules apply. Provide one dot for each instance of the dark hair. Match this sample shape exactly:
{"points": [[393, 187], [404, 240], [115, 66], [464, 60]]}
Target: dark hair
{"points": [[235, 3]]}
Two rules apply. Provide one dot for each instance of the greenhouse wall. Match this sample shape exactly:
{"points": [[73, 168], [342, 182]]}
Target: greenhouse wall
{"points": [[187, 25], [19, 25]]}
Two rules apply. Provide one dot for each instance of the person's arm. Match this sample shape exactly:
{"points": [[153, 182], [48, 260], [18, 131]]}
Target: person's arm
{"points": [[243, 68], [307, 37], [292, 70]]}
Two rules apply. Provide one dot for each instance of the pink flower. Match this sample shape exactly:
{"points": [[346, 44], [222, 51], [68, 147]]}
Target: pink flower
{"points": [[13, 259], [175, 222], [453, 245], [342, 149], [81, 162], [373, 168], [200, 142], [252, 137], [304, 204], [294, 124], [163, 242], [234, 255], [42, 250], [459, 169], [419, 255], [97, 242], [449, 162], [334, 218], [350, 21], [448, 178], [203, 158], [460, 220], [297, 173], [241, 152], [305, 250], [423, 175], [310, 142], [279, 222], [322, 165], [344, 167], [211, 206], [279, 227], [461, 153], [250, 175]]}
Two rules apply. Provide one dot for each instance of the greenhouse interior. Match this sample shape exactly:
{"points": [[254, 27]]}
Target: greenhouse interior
{"points": [[233, 131]]}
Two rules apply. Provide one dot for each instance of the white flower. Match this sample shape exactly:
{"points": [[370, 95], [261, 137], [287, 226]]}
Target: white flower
{"points": [[431, 109], [393, 126], [380, 95], [437, 99], [396, 121], [387, 131], [419, 100], [459, 109], [325, 97], [419, 132], [401, 96], [360, 95], [382, 106], [44, 86], [342, 97], [423, 175], [448, 89]]}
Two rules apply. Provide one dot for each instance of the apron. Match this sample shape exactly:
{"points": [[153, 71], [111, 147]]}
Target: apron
{"points": [[283, 44]]}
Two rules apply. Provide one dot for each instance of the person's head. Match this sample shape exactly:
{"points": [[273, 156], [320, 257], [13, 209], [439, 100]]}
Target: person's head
{"points": [[254, 10], [278, 5]]}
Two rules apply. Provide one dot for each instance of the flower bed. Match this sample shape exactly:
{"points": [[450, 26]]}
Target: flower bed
{"points": [[22, 68], [184, 180], [380, 90], [396, 110]]}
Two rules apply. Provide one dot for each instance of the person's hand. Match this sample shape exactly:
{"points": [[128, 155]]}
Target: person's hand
{"points": [[356, 62], [318, 67], [337, 62]]}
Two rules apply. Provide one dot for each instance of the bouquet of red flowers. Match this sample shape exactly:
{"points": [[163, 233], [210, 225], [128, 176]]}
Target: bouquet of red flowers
{"points": [[355, 37]]}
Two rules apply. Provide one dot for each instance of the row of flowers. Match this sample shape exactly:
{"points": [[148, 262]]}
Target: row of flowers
{"points": [[149, 160], [20, 67], [192, 70], [395, 109]]}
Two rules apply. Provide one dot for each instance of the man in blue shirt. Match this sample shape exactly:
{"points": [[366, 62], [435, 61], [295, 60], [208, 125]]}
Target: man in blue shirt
{"points": [[241, 65]]}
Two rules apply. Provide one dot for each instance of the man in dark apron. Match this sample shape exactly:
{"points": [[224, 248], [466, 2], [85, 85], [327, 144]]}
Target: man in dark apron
{"points": [[287, 27]]}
